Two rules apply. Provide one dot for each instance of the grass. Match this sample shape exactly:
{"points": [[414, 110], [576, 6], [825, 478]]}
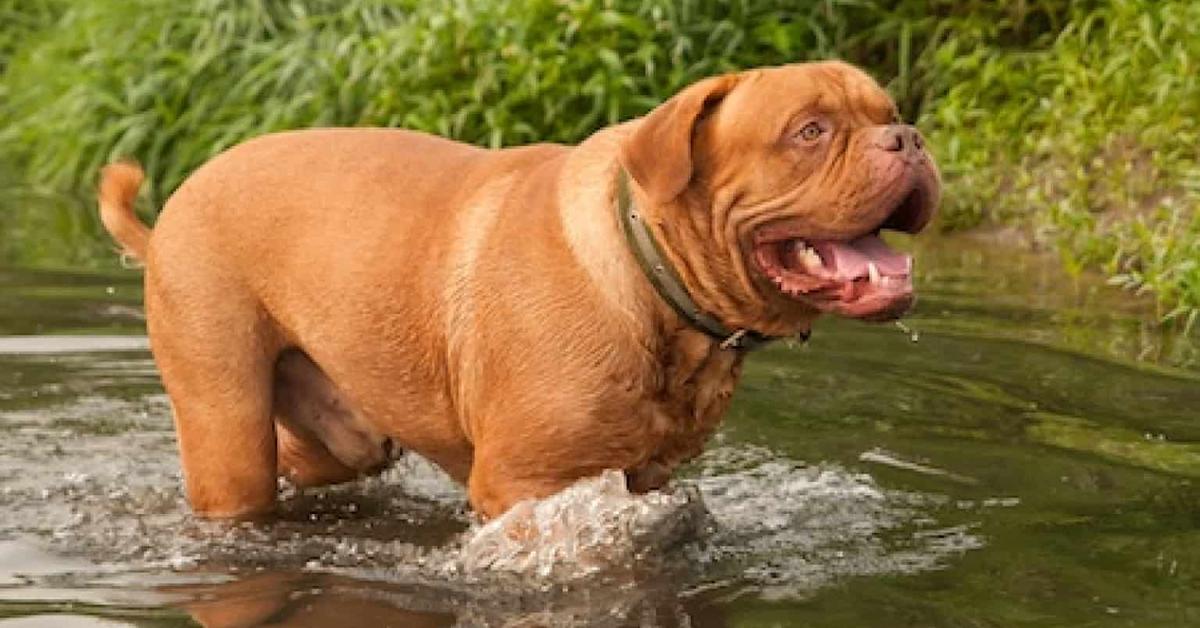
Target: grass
{"points": [[1076, 121], [1089, 141], [175, 83]]}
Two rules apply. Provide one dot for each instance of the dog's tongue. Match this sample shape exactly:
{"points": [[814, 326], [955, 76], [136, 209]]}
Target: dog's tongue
{"points": [[849, 260]]}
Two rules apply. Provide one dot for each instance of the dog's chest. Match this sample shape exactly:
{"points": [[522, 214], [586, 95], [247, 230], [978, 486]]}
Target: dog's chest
{"points": [[693, 394]]}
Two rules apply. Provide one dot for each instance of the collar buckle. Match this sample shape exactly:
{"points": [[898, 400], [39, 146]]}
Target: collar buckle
{"points": [[734, 341]]}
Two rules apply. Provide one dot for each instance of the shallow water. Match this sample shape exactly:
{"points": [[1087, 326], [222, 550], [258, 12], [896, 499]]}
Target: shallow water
{"points": [[1032, 459]]}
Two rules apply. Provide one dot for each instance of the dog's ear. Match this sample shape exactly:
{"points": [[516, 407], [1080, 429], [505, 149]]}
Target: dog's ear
{"points": [[658, 155]]}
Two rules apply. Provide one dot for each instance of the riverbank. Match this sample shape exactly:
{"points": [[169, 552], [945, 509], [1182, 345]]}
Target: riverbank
{"points": [[1088, 143]]}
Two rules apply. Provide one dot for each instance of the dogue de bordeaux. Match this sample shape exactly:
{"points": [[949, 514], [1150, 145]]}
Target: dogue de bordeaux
{"points": [[320, 300]]}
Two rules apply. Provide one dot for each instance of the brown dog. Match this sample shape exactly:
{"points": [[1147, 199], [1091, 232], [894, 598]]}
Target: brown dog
{"points": [[319, 299]]}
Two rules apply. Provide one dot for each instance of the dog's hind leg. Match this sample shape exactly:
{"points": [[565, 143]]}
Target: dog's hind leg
{"points": [[216, 351]]}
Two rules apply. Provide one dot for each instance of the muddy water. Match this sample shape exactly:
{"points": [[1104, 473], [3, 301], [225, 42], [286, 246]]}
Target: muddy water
{"points": [[1032, 459]]}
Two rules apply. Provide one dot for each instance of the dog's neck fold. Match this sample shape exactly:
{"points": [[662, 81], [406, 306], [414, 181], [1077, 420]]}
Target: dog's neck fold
{"points": [[665, 279]]}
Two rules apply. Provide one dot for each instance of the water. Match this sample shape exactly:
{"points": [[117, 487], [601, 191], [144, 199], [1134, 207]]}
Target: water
{"points": [[1025, 453]]}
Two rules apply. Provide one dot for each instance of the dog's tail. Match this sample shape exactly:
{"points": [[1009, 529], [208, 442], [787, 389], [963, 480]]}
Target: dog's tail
{"points": [[119, 183]]}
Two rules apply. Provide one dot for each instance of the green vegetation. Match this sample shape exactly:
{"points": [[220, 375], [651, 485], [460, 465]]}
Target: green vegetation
{"points": [[1089, 139], [1075, 121]]}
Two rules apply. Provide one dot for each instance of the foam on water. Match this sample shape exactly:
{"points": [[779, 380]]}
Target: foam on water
{"points": [[47, 345], [593, 526], [791, 528], [777, 522]]}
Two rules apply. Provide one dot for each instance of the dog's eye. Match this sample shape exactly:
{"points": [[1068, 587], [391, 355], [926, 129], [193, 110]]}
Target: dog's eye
{"points": [[811, 132]]}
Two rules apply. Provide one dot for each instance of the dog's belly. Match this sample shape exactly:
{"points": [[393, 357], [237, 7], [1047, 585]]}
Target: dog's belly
{"points": [[309, 404], [366, 417]]}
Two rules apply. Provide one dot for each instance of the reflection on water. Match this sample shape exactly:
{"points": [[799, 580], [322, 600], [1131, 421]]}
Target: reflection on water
{"points": [[1029, 460]]}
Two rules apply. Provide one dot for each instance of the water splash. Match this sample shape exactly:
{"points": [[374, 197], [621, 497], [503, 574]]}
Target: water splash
{"points": [[745, 512], [913, 335], [593, 526], [96, 477]]}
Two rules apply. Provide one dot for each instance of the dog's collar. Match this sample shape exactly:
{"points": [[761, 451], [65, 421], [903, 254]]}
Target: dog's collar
{"points": [[666, 281]]}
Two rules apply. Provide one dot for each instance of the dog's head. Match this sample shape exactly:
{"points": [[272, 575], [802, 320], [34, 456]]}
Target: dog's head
{"points": [[769, 189]]}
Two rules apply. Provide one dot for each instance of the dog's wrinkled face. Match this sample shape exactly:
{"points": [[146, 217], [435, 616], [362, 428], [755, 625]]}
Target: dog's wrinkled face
{"points": [[790, 174]]}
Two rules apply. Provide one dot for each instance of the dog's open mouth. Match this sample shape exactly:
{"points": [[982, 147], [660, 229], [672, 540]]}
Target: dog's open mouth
{"points": [[861, 277]]}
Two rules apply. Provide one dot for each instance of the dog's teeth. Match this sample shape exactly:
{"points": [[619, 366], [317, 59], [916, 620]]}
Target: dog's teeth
{"points": [[873, 273], [809, 258]]}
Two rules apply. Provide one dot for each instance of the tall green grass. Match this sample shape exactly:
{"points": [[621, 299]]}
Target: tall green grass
{"points": [[1071, 118], [1089, 141], [27, 223], [173, 83], [23, 18]]}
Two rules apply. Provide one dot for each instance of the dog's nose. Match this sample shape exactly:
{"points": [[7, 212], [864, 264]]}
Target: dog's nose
{"points": [[897, 138]]}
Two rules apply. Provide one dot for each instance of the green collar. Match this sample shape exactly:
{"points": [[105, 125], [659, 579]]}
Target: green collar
{"points": [[666, 281]]}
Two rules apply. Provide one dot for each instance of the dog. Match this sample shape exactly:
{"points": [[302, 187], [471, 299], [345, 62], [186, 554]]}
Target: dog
{"points": [[318, 301]]}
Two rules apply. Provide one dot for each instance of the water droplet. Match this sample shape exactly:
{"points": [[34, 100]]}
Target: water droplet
{"points": [[913, 334]]}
